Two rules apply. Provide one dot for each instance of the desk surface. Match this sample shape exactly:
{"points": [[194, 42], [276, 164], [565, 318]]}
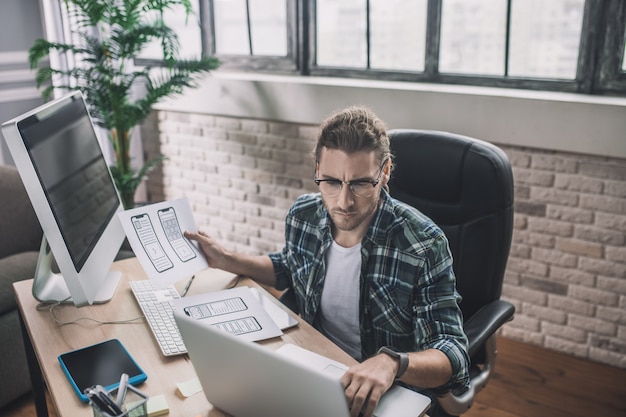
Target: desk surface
{"points": [[50, 339]]}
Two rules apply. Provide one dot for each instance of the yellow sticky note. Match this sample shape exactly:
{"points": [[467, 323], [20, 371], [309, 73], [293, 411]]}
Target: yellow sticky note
{"points": [[157, 406], [189, 388]]}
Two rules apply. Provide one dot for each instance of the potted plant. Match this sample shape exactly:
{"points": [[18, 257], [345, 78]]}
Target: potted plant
{"points": [[110, 35]]}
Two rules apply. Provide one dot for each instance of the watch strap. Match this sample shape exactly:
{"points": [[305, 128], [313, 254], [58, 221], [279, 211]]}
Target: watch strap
{"points": [[402, 357]]}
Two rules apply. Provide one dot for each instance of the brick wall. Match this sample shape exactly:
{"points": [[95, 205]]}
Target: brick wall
{"points": [[566, 273]]}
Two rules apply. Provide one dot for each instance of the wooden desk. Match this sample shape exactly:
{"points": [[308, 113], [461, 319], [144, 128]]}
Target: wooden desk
{"points": [[48, 339]]}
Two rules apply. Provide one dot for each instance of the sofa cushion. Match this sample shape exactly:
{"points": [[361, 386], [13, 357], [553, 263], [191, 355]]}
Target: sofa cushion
{"points": [[15, 268], [19, 227]]}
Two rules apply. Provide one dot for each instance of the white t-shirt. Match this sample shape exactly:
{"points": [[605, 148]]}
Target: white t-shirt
{"points": [[339, 309]]}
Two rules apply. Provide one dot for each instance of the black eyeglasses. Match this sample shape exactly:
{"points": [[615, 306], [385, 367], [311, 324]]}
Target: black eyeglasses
{"points": [[360, 188]]}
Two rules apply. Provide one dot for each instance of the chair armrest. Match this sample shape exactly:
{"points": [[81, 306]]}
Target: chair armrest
{"points": [[485, 322]]}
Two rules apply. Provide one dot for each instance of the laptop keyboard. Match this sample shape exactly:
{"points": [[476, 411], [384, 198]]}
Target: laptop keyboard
{"points": [[156, 306]]}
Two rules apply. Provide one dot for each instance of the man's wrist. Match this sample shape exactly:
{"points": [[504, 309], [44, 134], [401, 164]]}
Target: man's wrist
{"points": [[401, 357]]}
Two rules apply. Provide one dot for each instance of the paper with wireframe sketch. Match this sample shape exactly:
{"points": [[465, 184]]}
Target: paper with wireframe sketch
{"points": [[155, 233]]}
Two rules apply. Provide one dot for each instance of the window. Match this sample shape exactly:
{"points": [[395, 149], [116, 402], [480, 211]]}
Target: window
{"points": [[560, 45], [251, 34]]}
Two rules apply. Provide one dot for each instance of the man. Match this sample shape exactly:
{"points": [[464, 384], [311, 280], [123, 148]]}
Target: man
{"points": [[371, 273]]}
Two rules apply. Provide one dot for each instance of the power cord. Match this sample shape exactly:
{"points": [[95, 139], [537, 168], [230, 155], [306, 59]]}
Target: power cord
{"points": [[50, 306]]}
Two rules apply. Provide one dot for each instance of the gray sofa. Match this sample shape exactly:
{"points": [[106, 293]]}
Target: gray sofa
{"points": [[20, 238]]}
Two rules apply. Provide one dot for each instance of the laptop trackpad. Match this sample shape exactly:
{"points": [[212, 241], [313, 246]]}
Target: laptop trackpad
{"points": [[334, 370]]}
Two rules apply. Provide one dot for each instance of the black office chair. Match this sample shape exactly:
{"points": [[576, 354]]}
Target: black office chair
{"points": [[465, 186]]}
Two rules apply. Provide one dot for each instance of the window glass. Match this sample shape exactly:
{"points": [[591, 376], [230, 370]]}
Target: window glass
{"points": [[473, 37], [188, 30], [268, 21], [231, 27], [341, 33], [398, 34], [545, 38], [624, 54]]}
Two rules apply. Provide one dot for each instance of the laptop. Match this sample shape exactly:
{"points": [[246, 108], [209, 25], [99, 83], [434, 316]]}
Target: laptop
{"points": [[246, 379]]}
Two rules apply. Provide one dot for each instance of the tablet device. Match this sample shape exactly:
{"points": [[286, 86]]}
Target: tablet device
{"points": [[100, 364]]}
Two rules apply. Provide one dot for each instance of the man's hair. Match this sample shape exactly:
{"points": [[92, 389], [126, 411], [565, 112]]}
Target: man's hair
{"points": [[354, 129]]}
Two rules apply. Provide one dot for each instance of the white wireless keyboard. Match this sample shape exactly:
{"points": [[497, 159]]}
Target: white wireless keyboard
{"points": [[156, 306]]}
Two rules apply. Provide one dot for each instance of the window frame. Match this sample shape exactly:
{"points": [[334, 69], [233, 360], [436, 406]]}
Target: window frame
{"points": [[598, 68], [275, 64]]}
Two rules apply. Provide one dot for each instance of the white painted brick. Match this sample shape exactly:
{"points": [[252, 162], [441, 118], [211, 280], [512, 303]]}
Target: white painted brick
{"points": [[272, 141], [551, 227], [519, 158], [562, 345], [554, 257], [254, 126], [227, 123], [615, 189], [263, 245], [521, 321], [271, 166], [592, 325], [544, 313], [602, 267], [617, 359], [610, 221], [593, 295], [528, 266], [308, 133], [532, 177], [617, 285], [244, 161], [603, 203], [569, 214], [550, 195], [579, 184], [258, 176], [247, 230], [598, 235], [523, 335], [564, 332], [261, 222], [615, 254], [612, 314], [258, 151], [233, 148], [567, 304], [283, 129], [525, 294], [290, 157], [554, 163], [578, 247]]}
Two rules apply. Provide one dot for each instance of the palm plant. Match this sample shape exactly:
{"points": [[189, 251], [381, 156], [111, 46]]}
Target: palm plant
{"points": [[110, 35]]}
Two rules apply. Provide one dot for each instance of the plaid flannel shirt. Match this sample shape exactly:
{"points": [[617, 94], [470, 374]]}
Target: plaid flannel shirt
{"points": [[408, 297]]}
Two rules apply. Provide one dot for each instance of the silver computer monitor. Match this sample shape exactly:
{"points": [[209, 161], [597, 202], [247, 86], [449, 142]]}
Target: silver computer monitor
{"points": [[60, 161]]}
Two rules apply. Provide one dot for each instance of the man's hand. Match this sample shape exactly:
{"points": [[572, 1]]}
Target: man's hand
{"points": [[259, 267], [366, 382], [214, 253]]}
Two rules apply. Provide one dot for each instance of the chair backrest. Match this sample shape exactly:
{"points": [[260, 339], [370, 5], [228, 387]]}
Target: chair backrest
{"points": [[465, 186]]}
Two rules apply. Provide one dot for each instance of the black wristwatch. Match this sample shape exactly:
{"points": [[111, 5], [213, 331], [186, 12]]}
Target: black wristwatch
{"points": [[403, 359]]}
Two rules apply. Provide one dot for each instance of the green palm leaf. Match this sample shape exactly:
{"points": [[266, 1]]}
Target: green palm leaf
{"points": [[111, 35]]}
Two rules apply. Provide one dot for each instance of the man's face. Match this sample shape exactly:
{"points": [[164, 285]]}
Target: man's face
{"points": [[351, 213]]}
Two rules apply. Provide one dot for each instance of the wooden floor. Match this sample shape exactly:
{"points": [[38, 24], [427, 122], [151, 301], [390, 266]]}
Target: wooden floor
{"points": [[528, 381]]}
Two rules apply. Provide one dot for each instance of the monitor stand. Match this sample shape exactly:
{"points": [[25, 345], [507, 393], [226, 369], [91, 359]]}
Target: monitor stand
{"points": [[50, 287]]}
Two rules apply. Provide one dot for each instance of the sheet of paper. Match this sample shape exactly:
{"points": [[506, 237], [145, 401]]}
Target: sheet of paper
{"points": [[155, 232], [234, 310]]}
